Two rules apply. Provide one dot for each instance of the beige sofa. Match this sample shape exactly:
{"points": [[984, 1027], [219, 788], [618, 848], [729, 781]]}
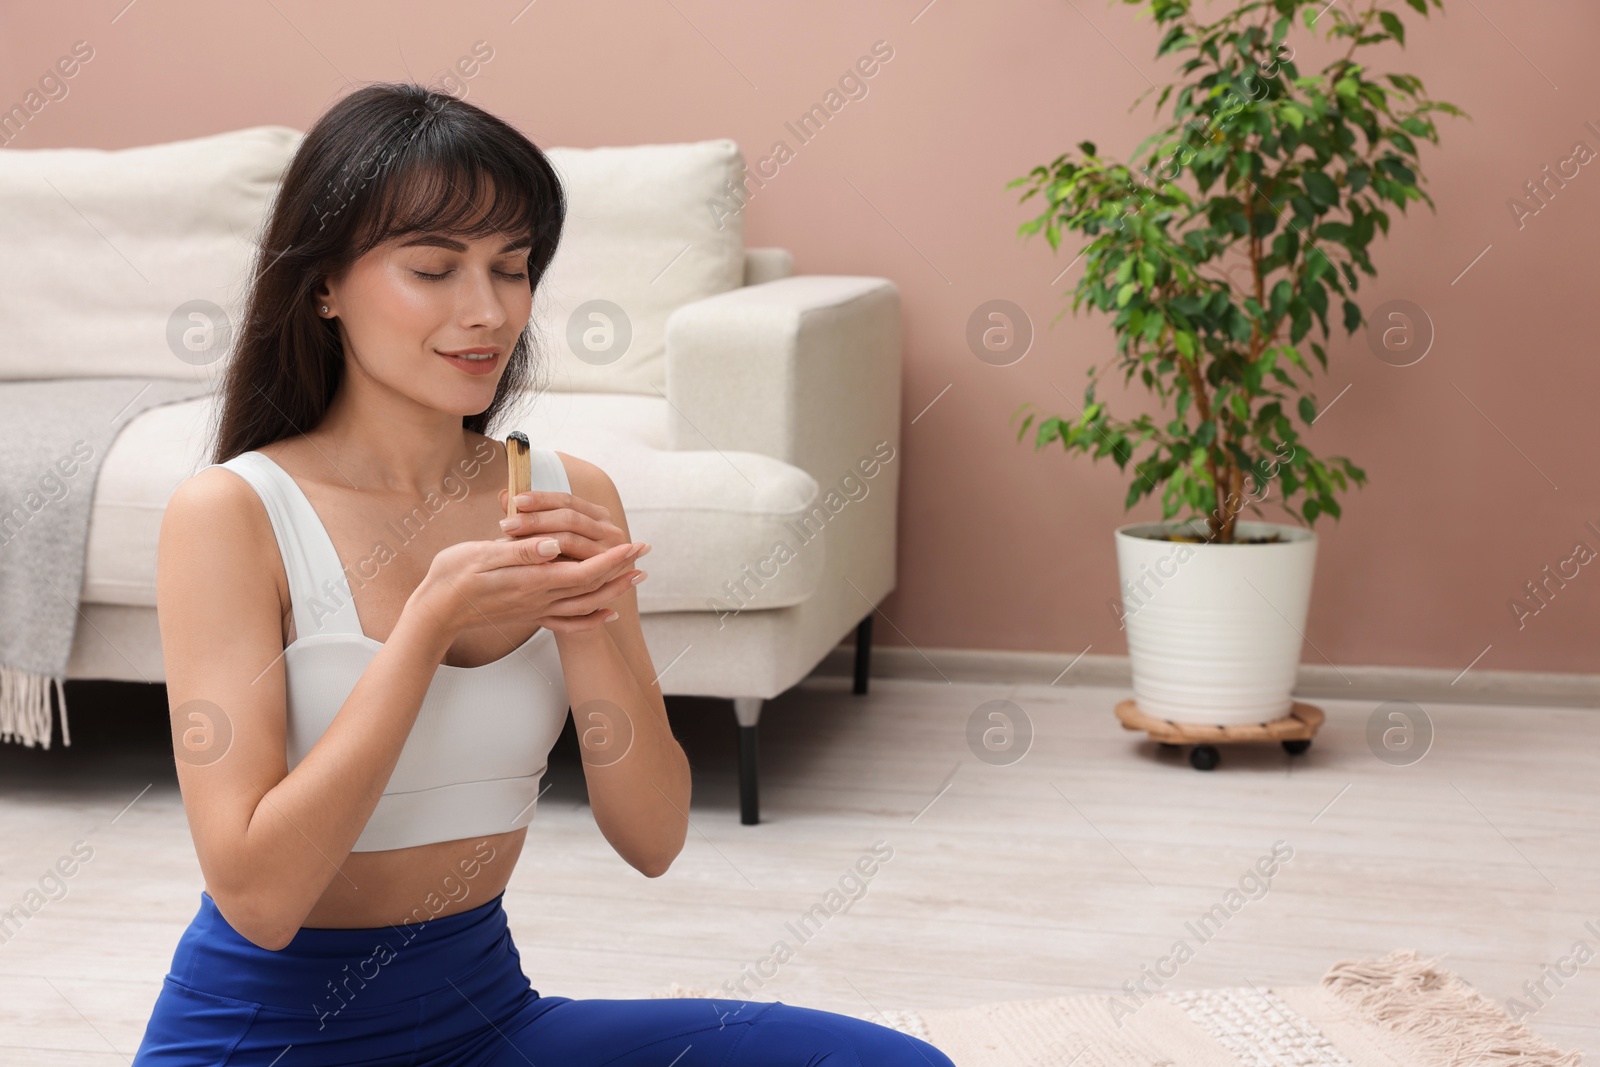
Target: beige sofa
{"points": [[751, 425]]}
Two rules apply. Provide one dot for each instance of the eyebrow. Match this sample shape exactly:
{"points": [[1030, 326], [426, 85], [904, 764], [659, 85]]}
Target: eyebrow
{"points": [[441, 241]]}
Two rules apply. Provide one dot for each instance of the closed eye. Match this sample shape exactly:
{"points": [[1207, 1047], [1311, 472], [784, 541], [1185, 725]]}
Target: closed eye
{"points": [[436, 277]]}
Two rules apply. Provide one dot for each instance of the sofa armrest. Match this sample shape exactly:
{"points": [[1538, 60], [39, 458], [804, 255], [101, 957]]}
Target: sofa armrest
{"points": [[805, 369]]}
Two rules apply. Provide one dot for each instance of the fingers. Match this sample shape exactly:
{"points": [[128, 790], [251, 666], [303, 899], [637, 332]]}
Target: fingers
{"points": [[543, 499], [589, 575], [522, 550], [573, 573], [597, 600], [549, 512], [576, 624]]}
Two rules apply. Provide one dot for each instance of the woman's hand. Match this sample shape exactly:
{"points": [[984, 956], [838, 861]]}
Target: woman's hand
{"points": [[580, 527], [508, 584]]}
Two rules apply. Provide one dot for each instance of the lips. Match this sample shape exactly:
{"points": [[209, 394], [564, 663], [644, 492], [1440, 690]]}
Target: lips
{"points": [[472, 361]]}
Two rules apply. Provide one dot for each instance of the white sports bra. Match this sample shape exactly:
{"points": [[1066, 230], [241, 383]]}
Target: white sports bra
{"points": [[481, 741]]}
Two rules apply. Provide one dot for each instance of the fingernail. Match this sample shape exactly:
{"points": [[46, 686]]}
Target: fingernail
{"points": [[524, 498], [507, 524], [612, 617], [549, 547], [641, 576], [643, 552]]}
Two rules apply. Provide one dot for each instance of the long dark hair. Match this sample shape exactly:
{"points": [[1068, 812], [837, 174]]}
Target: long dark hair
{"points": [[387, 159]]}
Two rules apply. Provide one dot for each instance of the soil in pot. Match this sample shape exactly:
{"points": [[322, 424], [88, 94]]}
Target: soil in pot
{"points": [[1267, 539]]}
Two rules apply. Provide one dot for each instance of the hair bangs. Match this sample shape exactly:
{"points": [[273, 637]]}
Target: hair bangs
{"points": [[451, 196]]}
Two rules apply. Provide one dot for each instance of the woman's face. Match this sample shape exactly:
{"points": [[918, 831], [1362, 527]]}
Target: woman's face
{"points": [[434, 316]]}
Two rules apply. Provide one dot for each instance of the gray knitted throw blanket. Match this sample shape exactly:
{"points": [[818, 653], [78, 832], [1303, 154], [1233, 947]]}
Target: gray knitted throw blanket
{"points": [[54, 434]]}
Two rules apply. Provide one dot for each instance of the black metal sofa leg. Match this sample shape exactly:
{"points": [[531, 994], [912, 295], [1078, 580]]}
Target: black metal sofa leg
{"points": [[863, 654], [748, 710]]}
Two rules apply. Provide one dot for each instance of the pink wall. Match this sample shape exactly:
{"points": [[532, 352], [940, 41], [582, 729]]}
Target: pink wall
{"points": [[1480, 471]]}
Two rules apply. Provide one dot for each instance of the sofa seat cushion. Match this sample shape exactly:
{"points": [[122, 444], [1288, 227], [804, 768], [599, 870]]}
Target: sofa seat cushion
{"points": [[727, 528]]}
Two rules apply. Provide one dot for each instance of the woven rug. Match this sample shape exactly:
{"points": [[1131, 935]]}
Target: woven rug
{"points": [[1397, 1011]]}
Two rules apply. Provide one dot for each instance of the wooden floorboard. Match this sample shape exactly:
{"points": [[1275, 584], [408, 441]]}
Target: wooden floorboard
{"points": [[1063, 872]]}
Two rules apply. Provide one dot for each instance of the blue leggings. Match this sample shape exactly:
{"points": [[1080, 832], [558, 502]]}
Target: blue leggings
{"points": [[451, 991]]}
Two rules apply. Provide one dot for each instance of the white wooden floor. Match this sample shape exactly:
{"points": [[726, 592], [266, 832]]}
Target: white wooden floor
{"points": [[1066, 871]]}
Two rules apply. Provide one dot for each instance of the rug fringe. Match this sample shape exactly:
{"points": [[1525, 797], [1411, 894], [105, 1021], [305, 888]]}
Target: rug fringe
{"points": [[1453, 1023], [25, 707]]}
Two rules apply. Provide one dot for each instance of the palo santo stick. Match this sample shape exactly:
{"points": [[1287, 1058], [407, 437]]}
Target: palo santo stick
{"points": [[519, 465], [519, 473]]}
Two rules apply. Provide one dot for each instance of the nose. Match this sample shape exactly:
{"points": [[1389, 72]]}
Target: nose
{"points": [[478, 301]]}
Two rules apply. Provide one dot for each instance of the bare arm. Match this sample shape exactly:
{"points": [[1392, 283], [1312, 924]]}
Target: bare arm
{"points": [[637, 773], [270, 840]]}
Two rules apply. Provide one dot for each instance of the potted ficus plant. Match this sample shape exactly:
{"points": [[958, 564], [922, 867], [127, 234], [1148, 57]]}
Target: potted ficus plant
{"points": [[1222, 260]]}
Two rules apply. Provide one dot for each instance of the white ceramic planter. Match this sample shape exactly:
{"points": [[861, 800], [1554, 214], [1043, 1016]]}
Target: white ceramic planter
{"points": [[1214, 630]]}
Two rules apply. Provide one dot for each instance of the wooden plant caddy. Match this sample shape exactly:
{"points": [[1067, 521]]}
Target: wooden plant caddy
{"points": [[1294, 731]]}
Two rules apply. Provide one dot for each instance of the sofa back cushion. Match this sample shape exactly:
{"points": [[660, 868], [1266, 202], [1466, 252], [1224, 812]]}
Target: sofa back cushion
{"points": [[115, 262], [133, 262], [648, 230]]}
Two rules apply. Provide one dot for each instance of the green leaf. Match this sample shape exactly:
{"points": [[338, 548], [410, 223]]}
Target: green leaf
{"points": [[1125, 294], [1308, 410], [1391, 22], [1300, 326], [1320, 188], [1352, 316], [1154, 323], [1317, 297], [1279, 298], [1402, 142]]}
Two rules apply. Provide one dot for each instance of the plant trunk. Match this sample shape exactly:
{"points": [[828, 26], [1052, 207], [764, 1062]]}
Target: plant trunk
{"points": [[1217, 520], [1230, 514]]}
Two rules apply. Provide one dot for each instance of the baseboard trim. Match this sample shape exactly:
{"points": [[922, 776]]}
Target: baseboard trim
{"points": [[1378, 683]]}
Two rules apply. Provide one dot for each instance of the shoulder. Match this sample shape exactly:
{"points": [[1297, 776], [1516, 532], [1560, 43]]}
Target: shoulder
{"points": [[216, 525], [591, 483], [588, 480], [218, 511], [215, 495]]}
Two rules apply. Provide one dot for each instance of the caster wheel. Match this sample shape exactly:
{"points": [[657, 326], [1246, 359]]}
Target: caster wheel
{"points": [[1296, 747], [1203, 757], [1167, 746]]}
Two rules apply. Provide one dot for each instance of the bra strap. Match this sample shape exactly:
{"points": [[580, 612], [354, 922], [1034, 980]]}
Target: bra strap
{"points": [[319, 593], [548, 472]]}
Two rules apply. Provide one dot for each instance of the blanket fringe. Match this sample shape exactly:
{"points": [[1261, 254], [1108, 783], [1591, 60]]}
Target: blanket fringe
{"points": [[1452, 1022], [25, 707]]}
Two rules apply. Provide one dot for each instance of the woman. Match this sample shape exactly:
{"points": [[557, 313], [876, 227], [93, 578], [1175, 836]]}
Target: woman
{"points": [[360, 731]]}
